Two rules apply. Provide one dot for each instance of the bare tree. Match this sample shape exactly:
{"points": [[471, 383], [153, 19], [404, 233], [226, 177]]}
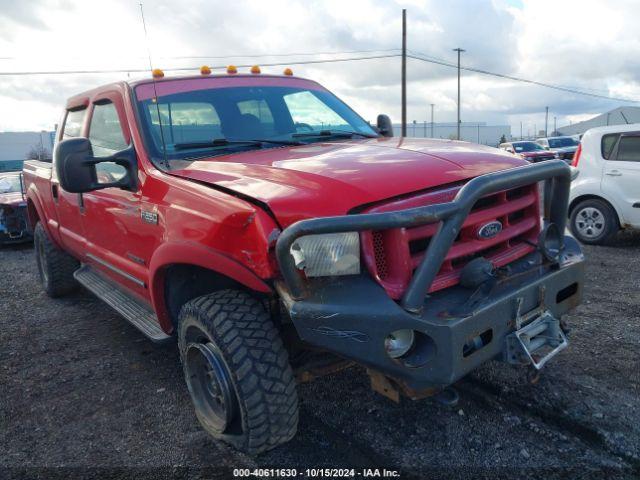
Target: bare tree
{"points": [[38, 152]]}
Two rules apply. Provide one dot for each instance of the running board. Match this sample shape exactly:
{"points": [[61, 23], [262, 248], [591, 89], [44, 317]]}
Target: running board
{"points": [[136, 312]]}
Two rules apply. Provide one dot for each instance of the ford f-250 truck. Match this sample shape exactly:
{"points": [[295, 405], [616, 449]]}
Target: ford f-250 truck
{"points": [[260, 220]]}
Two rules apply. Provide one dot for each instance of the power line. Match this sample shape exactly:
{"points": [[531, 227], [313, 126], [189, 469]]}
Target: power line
{"points": [[442, 61], [300, 54], [519, 79], [187, 69], [259, 55]]}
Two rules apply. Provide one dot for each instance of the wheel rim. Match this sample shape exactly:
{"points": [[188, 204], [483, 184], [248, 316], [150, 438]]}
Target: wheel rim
{"points": [[41, 262], [210, 385], [590, 222]]}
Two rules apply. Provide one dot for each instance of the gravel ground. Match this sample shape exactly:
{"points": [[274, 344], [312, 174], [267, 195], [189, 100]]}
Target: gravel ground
{"points": [[83, 391]]}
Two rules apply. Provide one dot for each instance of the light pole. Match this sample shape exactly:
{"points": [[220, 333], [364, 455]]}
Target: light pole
{"points": [[459, 50], [521, 130], [555, 125], [404, 72], [432, 105], [546, 121]]}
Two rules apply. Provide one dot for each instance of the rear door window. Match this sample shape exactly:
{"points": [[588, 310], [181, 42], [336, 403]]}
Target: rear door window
{"points": [[608, 142], [73, 123], [628, 149]]}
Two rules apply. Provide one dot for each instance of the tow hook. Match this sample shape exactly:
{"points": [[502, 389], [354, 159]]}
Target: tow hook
{"points": [[536, 342]]}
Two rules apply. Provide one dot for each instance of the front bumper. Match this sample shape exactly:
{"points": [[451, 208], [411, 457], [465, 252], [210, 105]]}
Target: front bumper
{"points": [[456, 329], [13, 225], [351, 316]]}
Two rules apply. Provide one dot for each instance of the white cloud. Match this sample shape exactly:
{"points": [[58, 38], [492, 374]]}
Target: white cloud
{"points": [[588, 44]]}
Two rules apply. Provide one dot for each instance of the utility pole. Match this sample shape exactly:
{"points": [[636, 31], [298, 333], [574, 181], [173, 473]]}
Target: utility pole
{"points": [[432, 105], [404, 72], [459, 50], [555, 125], [521, 130], [546, 121]]}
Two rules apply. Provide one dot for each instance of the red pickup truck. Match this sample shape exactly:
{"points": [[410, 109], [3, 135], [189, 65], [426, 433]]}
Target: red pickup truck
{"points": [[278, 235]]}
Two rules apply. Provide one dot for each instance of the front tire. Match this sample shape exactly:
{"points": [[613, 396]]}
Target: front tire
{"points": [[594, 222], [54, 266], [237, 371]]}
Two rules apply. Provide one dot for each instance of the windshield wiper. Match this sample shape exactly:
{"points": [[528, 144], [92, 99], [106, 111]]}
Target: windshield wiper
{"points": [[278, 142], [224, 143], [216, 143], [333, 133]]}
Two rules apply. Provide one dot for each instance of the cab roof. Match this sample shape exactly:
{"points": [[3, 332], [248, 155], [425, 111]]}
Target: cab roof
{"points": [[82, 100]]}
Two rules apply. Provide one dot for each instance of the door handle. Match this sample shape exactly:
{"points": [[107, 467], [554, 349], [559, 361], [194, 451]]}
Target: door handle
{"points": [[614, 173]]}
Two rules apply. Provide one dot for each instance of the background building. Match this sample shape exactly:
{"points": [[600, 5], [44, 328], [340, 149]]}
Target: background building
{"points": [[15, 147], [476, 132], [618, 116]]}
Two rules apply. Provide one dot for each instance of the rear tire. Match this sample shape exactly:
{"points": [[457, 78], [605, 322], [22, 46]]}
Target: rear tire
{"points": [[594, 222], [237, 371], [54, 266]]}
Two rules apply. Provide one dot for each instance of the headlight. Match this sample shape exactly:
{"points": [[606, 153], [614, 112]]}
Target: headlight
{"points": [[328, 254]]}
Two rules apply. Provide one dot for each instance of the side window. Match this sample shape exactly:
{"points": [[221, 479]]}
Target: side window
{"points": [[629, 149], [73, 123], [608, 142], [310, 113], [105, 133]]}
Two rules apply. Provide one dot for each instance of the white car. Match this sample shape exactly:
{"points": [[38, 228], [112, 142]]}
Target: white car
{"points": [[605, 192]]}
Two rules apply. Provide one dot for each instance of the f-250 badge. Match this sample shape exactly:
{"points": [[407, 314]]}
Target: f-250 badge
{"points": [[149, 217]]}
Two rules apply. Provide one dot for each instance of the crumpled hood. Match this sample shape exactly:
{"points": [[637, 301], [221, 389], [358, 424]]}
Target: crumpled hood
{"points": [[324, 179]]}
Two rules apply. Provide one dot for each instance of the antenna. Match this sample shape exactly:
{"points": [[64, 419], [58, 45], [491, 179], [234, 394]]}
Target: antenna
{"points": [[155, 91]]}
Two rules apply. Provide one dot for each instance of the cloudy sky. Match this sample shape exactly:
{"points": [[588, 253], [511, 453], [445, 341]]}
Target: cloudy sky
{"points": [[591, 45]]}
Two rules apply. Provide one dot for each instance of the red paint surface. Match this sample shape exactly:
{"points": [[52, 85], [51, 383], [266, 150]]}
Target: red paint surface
{"points": [[145, 91]]}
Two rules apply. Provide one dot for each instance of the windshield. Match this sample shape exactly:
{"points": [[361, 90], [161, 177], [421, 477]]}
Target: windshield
{"points": [[562, 142], [216, 121], [527, 147], [10, 184]]}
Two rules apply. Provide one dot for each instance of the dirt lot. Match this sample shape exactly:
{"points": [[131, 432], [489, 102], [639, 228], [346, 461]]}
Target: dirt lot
{"points": [[84, 391]]}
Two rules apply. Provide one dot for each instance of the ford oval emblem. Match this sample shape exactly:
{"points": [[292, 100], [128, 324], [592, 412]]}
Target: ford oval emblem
{"points": [[489, 230]]}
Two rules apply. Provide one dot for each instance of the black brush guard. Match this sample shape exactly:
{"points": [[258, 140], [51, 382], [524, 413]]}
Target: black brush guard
{"points": [[555, 173], [455, 332]]}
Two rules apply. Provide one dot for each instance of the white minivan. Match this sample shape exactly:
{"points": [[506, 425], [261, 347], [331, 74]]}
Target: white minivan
{"points": [[605, 194]]}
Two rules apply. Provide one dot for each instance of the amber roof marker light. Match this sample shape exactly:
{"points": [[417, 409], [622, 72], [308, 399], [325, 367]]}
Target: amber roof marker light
{"points": [[231, 70], [255, 69], [288, 71], [157, 73], [205, 70]]}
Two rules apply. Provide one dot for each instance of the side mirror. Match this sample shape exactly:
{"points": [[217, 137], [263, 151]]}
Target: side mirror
{"points": [[77, 168], [384, 126]]}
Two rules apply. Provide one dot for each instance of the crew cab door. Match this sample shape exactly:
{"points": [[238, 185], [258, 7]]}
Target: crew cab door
{"points": [[116, 237], [68, 205], [621, 176]]}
